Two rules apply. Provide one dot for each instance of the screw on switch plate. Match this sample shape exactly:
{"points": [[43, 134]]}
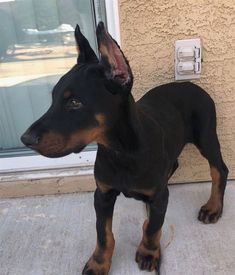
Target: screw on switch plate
{"points": [[188, 59]]}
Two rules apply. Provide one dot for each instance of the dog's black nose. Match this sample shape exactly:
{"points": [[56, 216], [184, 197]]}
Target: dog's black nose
{"points": [[30, 139]]}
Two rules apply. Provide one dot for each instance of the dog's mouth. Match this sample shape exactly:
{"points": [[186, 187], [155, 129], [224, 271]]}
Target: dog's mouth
{"points": [[51, 154], [55, 146], [55, 153]]}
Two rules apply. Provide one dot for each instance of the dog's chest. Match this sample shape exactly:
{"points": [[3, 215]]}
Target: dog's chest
{"points": [[119, 179], [132, 185], [138, 195], [134, 177]]}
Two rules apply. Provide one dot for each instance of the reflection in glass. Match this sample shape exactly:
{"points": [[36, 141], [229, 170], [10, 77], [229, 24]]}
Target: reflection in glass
{"points": [[37, 47]]}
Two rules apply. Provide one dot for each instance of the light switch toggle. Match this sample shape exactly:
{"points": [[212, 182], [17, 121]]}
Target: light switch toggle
{"points": [[186, 53], [186, 67]]}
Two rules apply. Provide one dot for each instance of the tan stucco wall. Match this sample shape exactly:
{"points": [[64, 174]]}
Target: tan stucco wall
{"points": [[149, 30]]}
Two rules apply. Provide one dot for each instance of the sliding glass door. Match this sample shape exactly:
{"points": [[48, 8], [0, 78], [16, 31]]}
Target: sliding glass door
{"points": [[36, 47]]}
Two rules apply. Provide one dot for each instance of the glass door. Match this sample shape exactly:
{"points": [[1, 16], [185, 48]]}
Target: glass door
{"points": [[36, 48]]}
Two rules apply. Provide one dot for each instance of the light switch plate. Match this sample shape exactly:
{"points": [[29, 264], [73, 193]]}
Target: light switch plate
{"points": [[188, 52]]}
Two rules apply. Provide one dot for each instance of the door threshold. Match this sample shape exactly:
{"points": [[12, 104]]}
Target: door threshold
{"points": [[47, 182]]}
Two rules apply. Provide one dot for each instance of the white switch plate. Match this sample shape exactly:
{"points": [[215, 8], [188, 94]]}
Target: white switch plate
{"points": [[187, 52]]}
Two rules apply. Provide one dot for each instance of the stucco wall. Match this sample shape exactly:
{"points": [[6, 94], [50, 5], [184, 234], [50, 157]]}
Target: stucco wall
{"points": [[149, 30]]}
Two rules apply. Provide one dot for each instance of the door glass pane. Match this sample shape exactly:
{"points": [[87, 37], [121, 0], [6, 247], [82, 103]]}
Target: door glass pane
{"points": [[36, 48]]}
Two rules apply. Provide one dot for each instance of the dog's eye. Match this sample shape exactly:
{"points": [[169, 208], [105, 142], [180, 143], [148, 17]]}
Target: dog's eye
{"points": [[74, 104]]}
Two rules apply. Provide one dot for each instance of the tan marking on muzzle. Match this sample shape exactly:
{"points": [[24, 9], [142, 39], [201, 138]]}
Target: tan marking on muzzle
{"points": [[53, 142], [86, 136], [50, 143]]}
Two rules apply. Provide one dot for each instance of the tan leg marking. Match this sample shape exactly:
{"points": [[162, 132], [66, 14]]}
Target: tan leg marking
{"points": [[104, 188], [211, 211], [214, 202], [148, 253], [101, 259]]}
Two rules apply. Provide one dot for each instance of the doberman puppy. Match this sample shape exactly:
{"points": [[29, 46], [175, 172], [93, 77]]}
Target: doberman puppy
{"points": [[138, 143]]}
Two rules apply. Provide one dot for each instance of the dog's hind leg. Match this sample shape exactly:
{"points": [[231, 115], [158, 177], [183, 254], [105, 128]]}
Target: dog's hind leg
{"points": [[212, 210], [207, 142]]}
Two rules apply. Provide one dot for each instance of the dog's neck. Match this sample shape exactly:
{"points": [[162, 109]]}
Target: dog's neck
{"points": [[124, 137]]}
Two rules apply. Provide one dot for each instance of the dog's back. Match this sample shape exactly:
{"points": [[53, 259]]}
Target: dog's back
{"points": [[183, 101]]}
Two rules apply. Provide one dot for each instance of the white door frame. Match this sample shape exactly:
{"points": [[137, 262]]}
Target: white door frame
{"points": [[83, 159]]}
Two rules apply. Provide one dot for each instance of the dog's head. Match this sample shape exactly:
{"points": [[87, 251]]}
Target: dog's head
{"points": [[86, 101]]}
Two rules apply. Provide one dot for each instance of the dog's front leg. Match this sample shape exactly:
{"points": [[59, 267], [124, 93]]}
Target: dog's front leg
{"points": [[148, 253], [100, 261]]}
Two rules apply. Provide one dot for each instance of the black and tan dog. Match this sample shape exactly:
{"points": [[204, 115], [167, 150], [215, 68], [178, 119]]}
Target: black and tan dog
{"points": [[138, 143]]}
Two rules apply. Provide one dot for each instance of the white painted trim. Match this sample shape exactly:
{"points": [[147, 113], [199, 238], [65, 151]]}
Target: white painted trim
{"points": [[112, 13], [38, 162], [83, 159], [46, 174]]}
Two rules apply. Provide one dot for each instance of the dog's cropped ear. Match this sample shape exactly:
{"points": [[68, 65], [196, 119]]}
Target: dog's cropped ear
{"points": [[85, 52], [115, 63]]}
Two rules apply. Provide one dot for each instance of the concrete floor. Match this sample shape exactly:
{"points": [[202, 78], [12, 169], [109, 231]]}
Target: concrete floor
{"points": [[54, 235]]}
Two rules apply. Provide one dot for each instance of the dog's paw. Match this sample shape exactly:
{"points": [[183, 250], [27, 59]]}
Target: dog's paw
{"points": [[94, 268], [148, 260], [207, 215]]}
